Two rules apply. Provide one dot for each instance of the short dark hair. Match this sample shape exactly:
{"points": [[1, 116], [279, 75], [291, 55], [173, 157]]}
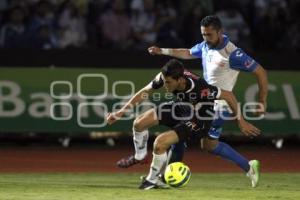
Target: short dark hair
{"points": [[211, 20], [173, 68]]}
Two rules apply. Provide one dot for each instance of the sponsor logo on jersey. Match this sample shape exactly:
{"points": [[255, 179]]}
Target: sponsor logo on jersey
{"points": [[192, 125], [205, 93], [248, 63], [238, 53]]}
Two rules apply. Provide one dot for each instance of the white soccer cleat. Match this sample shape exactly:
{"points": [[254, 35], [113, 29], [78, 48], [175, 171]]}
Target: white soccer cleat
{"points": [[161, 185], [254, 172]]}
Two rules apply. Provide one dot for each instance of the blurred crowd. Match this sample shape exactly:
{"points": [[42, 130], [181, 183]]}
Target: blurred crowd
{"points": [[136, 24]]}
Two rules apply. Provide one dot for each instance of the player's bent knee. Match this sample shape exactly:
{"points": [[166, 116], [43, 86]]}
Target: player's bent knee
{"points": [[203, 145], [138, 125], [160, 146], [208, 145]]}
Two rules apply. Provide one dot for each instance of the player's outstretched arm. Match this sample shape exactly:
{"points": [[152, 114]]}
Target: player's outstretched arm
{"points": [[135, 100], [245, 127], [177, 53], [262, 80]]}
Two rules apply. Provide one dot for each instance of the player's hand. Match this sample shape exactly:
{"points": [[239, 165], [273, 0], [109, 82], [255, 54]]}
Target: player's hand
{"points": [[113, 117], [154, 50], [248, 129]]}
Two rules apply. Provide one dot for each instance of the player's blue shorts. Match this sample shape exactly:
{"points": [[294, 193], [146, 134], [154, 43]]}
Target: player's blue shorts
{"points": [[216, 128]]}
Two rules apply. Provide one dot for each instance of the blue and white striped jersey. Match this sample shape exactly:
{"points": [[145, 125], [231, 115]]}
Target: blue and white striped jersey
{"points": [[222, 65]]}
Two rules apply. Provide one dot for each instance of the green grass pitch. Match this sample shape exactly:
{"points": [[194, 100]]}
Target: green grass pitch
{"points": [[92, 186]]}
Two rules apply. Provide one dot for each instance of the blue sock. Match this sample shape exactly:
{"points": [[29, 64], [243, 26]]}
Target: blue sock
{"points": [[227, 152]]}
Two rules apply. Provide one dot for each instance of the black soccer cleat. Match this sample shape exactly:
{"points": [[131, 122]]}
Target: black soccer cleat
{"points": [[161, 182], [147, 185]]}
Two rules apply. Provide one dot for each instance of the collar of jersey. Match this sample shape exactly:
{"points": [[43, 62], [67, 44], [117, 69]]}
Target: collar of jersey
{"points": [[192, 86]]}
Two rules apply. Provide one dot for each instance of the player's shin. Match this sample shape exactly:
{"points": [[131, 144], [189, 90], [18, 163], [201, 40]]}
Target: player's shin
{"points": [[140, 140], [227, 152], [158, 161], [175, 153]]}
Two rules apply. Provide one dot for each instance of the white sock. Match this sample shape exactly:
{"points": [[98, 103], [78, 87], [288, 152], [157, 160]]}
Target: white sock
{"points": [[140, 140], [157, 163]]}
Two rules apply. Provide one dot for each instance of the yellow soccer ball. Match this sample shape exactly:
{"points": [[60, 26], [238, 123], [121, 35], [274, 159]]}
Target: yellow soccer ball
{"points": [[177, 174]]}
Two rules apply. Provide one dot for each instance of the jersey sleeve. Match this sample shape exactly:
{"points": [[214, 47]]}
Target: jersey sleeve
{"points": [[157, 82], [209, 92], [197, 50], [239, 60]]}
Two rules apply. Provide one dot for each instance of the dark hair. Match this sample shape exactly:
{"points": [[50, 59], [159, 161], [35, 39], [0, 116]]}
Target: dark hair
{"points": [[173, 68], [211, 20]]}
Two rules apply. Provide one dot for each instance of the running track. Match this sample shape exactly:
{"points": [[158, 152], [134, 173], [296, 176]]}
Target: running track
{"points": [[103, 160]]}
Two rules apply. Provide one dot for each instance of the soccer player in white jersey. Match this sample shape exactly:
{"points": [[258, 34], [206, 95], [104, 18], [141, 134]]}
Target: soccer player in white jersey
{"points": [[221, 61]]}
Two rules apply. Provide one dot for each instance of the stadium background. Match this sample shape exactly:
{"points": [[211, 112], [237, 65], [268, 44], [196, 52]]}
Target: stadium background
{"points": [[57, 40]]}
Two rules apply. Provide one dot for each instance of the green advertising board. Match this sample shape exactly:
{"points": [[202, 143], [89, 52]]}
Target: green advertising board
{"points": [[75, 100]]}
